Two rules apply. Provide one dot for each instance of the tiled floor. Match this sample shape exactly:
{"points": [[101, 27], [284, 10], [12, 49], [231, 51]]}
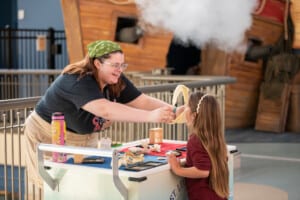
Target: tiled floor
{"points": [[275, 164]]}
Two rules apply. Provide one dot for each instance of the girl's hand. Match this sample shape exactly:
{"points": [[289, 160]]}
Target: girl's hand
{"points": [[174, 163]]}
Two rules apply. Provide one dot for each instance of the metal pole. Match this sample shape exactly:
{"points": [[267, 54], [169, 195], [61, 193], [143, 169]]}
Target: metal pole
{"points": [[50, 49], [9, 48]]}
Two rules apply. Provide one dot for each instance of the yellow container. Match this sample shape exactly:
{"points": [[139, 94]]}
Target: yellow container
{"points": [[155, 135], [58, 130]]}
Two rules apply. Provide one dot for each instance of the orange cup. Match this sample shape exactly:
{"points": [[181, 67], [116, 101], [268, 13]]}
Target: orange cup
{"points": [[155, 135]]}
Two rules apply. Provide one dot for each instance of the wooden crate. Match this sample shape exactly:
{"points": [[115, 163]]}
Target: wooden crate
{"points": [[295, 14], [89, 20], [293, 124], [272, 113], [241, 97]]}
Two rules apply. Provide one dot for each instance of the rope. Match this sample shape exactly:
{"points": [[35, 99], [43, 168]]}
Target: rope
{"points": [[260, 8], [286, 13], [122, 2], [180, 89], [295, 15]]}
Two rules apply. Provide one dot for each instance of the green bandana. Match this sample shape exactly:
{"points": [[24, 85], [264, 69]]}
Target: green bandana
{"points": [[102, 47]]}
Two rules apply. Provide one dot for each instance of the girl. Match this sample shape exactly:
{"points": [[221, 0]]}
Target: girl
{"points": [[206, 169]]}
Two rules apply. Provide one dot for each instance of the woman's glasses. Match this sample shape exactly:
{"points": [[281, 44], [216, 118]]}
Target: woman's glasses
{"points": [[122, 66]]}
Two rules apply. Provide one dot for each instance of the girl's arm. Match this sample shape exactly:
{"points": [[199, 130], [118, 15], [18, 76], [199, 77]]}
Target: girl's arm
{"points": [[189, 172]]}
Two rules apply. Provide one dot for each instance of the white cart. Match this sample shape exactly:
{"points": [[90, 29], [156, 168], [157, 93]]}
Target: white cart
{"points": [[77, 182]]}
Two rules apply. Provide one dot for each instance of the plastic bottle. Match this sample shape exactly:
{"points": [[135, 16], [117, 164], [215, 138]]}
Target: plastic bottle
{"points": [[58, 130]]}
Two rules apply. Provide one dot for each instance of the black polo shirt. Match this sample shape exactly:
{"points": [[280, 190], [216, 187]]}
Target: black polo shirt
{"points": [[68, 93]]}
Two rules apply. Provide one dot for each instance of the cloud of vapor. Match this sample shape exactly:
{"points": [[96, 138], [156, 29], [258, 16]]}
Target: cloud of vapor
{"points": [[220, 22]]}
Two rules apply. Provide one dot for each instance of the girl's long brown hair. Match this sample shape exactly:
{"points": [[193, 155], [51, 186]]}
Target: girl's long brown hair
{"points": [[86, 67], [208, 127]]}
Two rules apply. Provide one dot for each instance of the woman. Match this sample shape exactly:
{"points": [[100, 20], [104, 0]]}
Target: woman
{"points": [[206, 169], [91, 94]]}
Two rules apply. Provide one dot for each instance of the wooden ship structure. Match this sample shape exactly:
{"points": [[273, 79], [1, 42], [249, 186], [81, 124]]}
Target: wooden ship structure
{"points": [[89, 20]]}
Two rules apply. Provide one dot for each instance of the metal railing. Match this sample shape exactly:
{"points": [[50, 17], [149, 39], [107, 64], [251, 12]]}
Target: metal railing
{"points": [[32, 48], [13, 181], [25, 82]]}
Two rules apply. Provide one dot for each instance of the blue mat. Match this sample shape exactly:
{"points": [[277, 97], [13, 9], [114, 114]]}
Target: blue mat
{"points": [[148, 160]]}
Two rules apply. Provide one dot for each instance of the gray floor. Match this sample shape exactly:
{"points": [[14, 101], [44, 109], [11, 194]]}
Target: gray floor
{"points": [[268, 159]]}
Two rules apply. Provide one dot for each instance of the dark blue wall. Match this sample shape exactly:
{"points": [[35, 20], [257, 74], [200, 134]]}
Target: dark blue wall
{"points": [[41, 14], [16, 188], [38, 14], [8, 10]]}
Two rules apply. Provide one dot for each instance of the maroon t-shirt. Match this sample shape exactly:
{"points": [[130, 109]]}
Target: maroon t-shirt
{"points": [[197, 156]]}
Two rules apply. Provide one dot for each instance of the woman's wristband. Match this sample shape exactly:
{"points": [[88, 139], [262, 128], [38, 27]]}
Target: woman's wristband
{"points": [[174, 109]]}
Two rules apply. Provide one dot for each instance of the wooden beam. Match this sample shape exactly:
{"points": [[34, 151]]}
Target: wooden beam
{"points": [[71, 15]]}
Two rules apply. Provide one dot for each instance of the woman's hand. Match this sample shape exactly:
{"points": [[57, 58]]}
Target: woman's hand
{"points": [[164, 114], [179, 110], [106, 124]]}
